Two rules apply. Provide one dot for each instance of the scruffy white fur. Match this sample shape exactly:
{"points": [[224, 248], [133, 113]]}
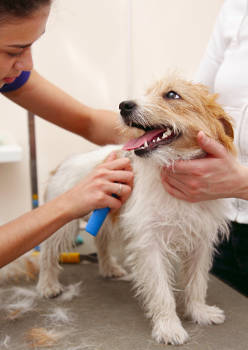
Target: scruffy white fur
{"points": [[156, 231]]}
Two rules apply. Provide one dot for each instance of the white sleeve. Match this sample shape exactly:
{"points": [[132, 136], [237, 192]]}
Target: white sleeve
{"points": [[214, 54]]}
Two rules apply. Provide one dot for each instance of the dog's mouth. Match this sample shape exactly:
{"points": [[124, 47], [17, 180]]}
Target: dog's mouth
{"points": [[151, 140]]}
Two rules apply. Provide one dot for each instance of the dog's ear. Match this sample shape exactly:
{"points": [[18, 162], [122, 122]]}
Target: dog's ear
{"points": [[224, 129], [218, 113], [227, 125], [223, 117], [225, 132]]}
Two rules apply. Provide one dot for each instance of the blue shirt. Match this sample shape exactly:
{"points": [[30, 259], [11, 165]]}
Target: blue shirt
{"points": [[20, 81]]}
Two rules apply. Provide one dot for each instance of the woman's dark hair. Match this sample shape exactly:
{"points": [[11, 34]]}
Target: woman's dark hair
{"points": [[20, 8]]}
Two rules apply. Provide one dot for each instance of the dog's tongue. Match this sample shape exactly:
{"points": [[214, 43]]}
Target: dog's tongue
{"points": [[136, 143]]}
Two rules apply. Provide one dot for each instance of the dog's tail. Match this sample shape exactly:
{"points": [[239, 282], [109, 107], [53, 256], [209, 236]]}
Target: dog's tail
{"points": [[25, 267]]}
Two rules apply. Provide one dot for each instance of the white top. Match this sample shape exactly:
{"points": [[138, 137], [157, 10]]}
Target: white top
{"points": [[224, 69]]}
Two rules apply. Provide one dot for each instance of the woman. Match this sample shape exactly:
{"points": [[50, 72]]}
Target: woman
{"points": [[22, 22], [219, 175]]}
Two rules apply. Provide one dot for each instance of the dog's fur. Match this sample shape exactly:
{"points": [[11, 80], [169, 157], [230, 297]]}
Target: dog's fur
{"points": [[155, 230]]}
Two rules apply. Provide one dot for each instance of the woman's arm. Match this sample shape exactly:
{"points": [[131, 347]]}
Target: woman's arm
{"points": [[52, 104], [93, 192], [27, 231]]}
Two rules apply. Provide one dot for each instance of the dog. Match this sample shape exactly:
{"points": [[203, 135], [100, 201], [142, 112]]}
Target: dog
{"points": [[155, 230]]}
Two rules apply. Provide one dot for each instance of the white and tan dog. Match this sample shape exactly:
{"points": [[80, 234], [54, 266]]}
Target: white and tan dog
{"points": [[155, 229]]}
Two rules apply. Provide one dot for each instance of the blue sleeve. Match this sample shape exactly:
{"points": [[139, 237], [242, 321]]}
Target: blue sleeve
{"points": [[20, 81]]}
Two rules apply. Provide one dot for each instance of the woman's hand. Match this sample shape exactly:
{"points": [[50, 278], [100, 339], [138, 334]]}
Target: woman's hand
{"points": [[114, 176], [218, 175]]}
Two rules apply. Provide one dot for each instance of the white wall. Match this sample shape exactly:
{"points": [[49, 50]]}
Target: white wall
{"points": [[101, 52]]}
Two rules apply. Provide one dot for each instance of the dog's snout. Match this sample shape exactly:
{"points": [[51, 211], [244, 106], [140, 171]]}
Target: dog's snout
{"points": [[127, 107]]}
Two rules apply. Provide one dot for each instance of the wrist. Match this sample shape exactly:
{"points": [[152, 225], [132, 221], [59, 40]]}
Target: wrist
{"points": [[70, 206], [63, 208], [243, 191]]}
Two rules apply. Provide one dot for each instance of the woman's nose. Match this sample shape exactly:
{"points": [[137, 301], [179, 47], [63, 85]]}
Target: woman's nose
{"points": [[25, 61]]}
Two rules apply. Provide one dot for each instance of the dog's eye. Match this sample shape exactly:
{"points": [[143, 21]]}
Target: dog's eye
{"points": [[171, 95]]}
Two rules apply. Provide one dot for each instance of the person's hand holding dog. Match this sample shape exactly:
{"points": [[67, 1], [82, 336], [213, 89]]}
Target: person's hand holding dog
{"points": [[218, 175], [114, 176]]}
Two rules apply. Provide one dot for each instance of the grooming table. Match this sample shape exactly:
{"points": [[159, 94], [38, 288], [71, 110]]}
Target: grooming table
{"points": [[107, 316]]}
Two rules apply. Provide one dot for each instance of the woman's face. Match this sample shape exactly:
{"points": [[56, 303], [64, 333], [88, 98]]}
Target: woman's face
{"points": [[16, 38]]}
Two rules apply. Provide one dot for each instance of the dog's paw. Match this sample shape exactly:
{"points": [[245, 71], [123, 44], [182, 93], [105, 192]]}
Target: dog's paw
{"points": [[204, 314], [168, 331], [128, 277], [50, 291], [112, 271]]}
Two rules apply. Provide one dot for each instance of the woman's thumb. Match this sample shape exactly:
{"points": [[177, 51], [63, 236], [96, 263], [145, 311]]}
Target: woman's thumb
{"points": [[211, 146], [110, 157]]}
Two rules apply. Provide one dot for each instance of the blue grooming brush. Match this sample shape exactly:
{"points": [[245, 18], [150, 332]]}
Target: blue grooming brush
{"points": [[96, 220]]}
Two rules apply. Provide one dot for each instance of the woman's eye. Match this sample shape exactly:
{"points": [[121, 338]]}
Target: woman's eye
{"points": [[171, 95], [11, 54]]}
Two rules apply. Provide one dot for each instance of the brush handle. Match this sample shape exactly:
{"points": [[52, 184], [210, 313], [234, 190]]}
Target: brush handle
{"points": [[96, 220]]}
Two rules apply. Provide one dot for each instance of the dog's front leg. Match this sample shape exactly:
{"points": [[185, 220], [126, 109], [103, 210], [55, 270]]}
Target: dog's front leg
{"points": [[195, 279], [152, 273]]}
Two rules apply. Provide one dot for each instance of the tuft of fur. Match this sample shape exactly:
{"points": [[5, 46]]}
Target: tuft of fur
{"points": [[5, 343], [59, 316], [41, 337], [25, 267], [17, 302], [71, 291], [164, 240], [19, 308]]}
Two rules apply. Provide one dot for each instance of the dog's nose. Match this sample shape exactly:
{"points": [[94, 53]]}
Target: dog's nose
{"points": [[126, 107]]}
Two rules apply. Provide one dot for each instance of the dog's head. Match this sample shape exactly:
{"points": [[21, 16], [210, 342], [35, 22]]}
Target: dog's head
{"points": [[171, 114]]}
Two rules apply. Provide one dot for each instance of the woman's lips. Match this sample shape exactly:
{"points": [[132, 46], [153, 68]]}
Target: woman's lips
{"points": [[9, 80]]}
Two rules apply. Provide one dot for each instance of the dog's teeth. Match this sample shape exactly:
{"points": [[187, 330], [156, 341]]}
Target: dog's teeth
{"points": [[153, 141], [145, 144], [166, 134], [158, 139]]}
